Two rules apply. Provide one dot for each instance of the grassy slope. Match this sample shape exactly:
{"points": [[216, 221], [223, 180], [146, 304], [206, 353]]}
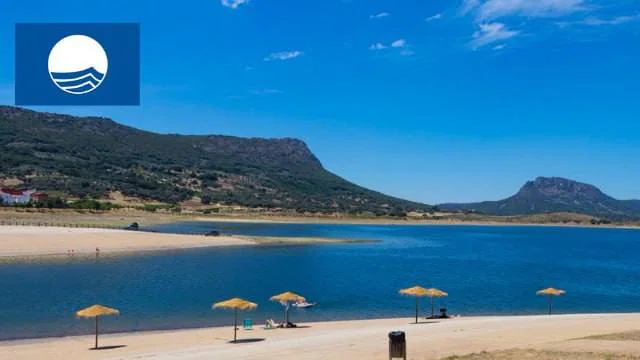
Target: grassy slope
{"points": [[93, 156]]}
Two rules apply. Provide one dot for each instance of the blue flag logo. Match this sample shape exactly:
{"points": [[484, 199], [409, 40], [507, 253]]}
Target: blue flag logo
{"points": [[77, 64]]}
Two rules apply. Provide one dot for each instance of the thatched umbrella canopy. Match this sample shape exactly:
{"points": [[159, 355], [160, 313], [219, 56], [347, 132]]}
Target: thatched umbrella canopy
{"points": [[417, 291], [96, 311], [286, 298], [235, 304], [550, 293], [435, 293]]}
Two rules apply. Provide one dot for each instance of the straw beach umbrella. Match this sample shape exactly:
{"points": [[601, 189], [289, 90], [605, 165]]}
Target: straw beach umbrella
{"points": [[417, 291], [96, 311], [235, 304], [550, 293], [286, 298], [435, 293]]}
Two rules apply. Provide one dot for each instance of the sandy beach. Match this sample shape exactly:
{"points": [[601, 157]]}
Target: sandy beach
{"points": [[362, 339], [16, 241], [51, 241]]}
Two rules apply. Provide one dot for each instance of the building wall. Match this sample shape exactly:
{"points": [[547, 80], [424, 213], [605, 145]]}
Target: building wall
{"points": [[10, 199]]}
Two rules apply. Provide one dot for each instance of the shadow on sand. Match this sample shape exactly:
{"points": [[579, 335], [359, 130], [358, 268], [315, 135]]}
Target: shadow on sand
{"points": [[424, 322], [296, 327], [246, 341], [109, 347]]}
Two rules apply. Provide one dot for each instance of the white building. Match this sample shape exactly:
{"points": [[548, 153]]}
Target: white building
{"points": [[15, 196]]}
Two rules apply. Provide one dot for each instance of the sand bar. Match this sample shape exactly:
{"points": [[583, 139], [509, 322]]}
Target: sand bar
{"points": [[362, 339], [43, 241], [17, 241]]}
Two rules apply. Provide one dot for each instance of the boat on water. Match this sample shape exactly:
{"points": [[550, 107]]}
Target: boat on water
{"points": [[303, 304]]}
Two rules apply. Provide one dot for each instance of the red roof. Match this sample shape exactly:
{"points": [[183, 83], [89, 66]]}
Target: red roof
{"points": [[11, 191]]}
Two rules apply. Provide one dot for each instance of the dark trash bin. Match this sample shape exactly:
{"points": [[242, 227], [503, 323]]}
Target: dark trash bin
{"points": [[397, 345]]}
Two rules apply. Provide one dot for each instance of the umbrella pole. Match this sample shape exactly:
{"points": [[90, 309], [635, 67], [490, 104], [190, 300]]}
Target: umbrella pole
{"points": [[432, 309], [550, 300], [417, 309], [235, 324], [96, 333]]}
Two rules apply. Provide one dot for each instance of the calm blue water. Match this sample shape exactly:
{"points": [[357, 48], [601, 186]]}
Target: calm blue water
{"points": [[486, 270]]}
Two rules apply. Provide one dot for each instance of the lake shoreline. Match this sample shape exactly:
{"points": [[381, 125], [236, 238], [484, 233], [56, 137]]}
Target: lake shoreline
{"points": [[47, 242], [422, 319], [485, 271], [347, 339], [120, 218], [33, 243], [352, 221]]}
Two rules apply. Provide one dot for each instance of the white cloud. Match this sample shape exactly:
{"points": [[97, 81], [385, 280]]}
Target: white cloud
{"points": [[490, 33], [494, 9], [284, 55], [379, 15], [234, 4], [595, 21], [267, 91], [235, 97], [598, 21], [377, 46], [499, 47], [468, 6], [434, 17], [400, 43]]}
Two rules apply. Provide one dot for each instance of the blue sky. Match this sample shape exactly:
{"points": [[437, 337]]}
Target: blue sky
{"points": [[428, 100]]}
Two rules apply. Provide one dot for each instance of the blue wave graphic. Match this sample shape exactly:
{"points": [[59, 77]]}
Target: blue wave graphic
{"points": [[78, 82]]}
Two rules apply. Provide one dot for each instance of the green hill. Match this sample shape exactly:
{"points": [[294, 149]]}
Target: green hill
{"points": [[555, 195], [90, 157]]}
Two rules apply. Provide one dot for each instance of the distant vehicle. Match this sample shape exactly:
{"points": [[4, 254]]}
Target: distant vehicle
{"points": [[133, 226], [212, 233]]}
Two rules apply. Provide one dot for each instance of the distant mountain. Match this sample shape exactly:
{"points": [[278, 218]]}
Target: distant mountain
{"points": [[554, 194], [91, 156]]}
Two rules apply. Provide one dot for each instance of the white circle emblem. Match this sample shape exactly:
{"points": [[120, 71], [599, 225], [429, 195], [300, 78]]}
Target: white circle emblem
{"points": [[78, 64]]}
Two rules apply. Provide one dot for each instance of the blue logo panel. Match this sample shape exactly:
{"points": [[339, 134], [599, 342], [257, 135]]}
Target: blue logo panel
{"points": [[77, 64]]}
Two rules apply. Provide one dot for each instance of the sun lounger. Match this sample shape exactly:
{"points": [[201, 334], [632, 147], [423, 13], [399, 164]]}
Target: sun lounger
{"points": [[270, 325]]}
